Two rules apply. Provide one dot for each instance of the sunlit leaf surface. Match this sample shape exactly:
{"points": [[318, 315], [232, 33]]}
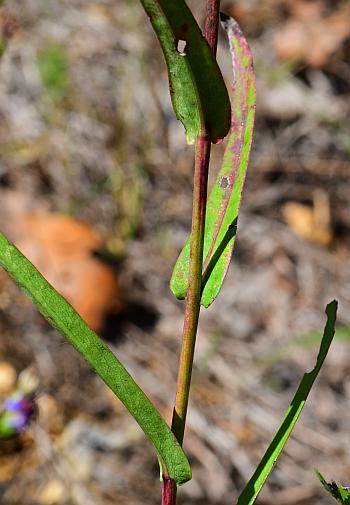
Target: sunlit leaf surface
{"points": [[199, 95], [61, 315]]}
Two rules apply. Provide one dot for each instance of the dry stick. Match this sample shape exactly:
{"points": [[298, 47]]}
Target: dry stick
{"points": [[200, 183]]}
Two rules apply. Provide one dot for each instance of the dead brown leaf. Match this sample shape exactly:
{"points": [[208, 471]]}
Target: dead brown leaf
{"points": [[310, 36], [62, 249], [311, 223]]}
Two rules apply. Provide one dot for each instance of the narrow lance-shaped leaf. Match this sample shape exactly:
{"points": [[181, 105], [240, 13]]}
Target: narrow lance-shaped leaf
{"points": [[225, 196], [66, 320], [198, 91], [254, 486], [340, 493]]}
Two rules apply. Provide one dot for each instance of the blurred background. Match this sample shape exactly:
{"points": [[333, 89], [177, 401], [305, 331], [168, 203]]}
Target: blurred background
{"points": [[95, 187]]}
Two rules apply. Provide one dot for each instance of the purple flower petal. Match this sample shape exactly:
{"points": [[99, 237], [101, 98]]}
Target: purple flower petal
{"points": [[17, 420], [14, 402]]}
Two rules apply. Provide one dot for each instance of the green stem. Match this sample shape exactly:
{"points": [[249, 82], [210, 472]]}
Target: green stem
{"points": [[194, 287], [202, 157], [200, 186]]}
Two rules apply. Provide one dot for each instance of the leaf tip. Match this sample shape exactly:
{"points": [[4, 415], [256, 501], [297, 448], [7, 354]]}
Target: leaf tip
{"points": [[178, 290], [190, 137], [331, 312], [229, 23], [332, 306]]}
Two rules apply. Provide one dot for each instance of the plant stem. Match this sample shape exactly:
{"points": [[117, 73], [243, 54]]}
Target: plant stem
{"points": [[202, 156], [193, 301], [211, 27], [168, 492]]}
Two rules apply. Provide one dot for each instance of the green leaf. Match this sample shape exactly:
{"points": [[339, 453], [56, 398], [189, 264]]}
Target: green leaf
{"points": [[225, 196], [340, 493], [66, 320], [199, 95], [254, 486]]}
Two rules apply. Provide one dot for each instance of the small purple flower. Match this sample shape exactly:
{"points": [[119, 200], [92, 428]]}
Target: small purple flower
{"points": [[17, 411], [17, 420], [18, 402]]}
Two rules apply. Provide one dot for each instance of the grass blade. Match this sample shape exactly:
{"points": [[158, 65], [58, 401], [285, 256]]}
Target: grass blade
{"points": [[61, 315], [198, 91], [254, 486], [225, 196]]}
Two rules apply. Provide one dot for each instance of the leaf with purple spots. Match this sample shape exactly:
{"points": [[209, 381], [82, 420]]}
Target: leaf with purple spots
{"points": [[225, 197]]}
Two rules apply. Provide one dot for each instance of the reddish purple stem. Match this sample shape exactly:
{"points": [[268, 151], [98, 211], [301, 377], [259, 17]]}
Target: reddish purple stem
{"points": [[168, 492], [212, 24], [202, 157]]}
